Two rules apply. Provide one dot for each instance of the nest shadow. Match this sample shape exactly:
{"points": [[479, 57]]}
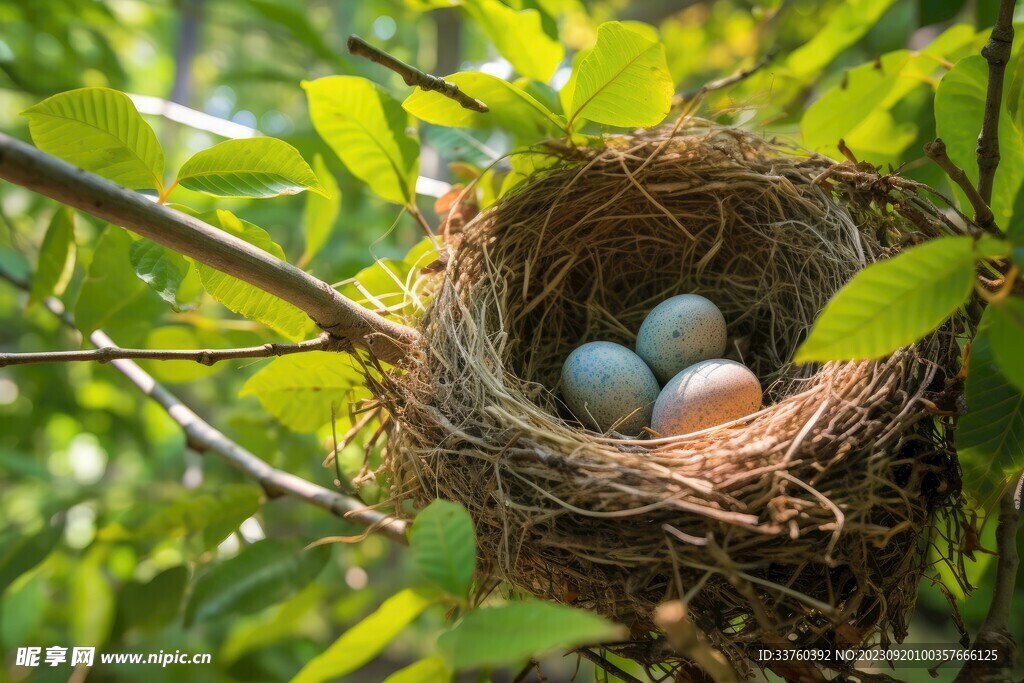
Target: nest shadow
{"points": [[808, 521]]}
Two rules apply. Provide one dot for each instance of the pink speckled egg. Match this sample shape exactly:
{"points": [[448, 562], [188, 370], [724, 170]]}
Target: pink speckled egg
{"points": [[704, 395], [679, 332]]}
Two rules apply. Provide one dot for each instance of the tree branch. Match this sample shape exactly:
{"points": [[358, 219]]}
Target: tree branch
{"points": [[936, 151], [107, 354], [732, 79], [684, 637], [204, 438], [994, 632], [997, 53], [413, 76], [31, 168]]}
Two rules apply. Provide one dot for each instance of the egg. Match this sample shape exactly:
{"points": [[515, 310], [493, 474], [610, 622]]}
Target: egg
{"points": [[679, 332], [602, 383], [704, 395]]}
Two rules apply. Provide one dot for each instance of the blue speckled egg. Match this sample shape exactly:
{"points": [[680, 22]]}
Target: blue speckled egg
{"points": [[603, 383], [679, 332], [704, 395]]}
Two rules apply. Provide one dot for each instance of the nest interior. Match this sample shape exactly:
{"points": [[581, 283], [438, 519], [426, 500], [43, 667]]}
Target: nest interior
{"points": [[808, 520]]}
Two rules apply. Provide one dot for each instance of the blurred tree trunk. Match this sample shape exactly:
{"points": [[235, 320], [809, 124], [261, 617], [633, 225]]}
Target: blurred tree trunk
{"points": [[449, 41], [184, 53]]}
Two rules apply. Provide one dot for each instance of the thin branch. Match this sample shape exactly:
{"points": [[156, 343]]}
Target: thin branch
{"points": [[732, 79], [684, 637], [204, 438], [107, 354], [31, 168], [936, 151], [607, 666], [413, 76], [994, 632], [997, 53]]}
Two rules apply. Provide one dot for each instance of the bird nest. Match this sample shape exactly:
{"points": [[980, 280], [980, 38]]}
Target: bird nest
{"points": [[807, 522]]}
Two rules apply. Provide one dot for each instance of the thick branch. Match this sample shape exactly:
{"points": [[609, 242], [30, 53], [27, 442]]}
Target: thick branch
{"points": [[40, 172], [936, 151], [413, 76], [997, 53], [204, 438], [994, 631], [107, 354]]}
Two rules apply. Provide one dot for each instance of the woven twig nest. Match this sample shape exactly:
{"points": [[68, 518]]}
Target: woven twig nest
{"points": [[809, 520]]}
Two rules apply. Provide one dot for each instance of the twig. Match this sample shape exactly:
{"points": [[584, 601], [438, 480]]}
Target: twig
{"points": [[670, 617], [204, 438], [607, 666], [936, 151], [40, 172], [107, 354], [994, 632], [413, 76], [724, 82], [997, 53]]}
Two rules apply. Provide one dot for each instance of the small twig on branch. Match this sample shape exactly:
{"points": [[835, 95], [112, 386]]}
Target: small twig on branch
{"points": [[997, 53], [46, 174], [936, 151], [413, 76], [994, 632], [107, 354], [684, 637], [204, 438], [724, 82]]}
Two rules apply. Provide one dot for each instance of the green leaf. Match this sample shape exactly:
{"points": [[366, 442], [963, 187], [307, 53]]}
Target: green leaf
{"points": [[519, 37], [864, 108], [990, 437], [56, 257], [321, 210], [112, 297], [430, 670], [100, 130], [932, 12], [299, 23], [23, 609], [845, 26], [365, 640], [444, 547], [249, 167], [959, 108], [214, 514], [160, 268], [91, 601], [511, 109], [512, 633], [21, 552], [299, 389], [263, 574], [859, 108], [623, 81], [894, 302], [1006, 332], [525, 165], [243, 298], [284, 621], [369, 131], [152, 605]]}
